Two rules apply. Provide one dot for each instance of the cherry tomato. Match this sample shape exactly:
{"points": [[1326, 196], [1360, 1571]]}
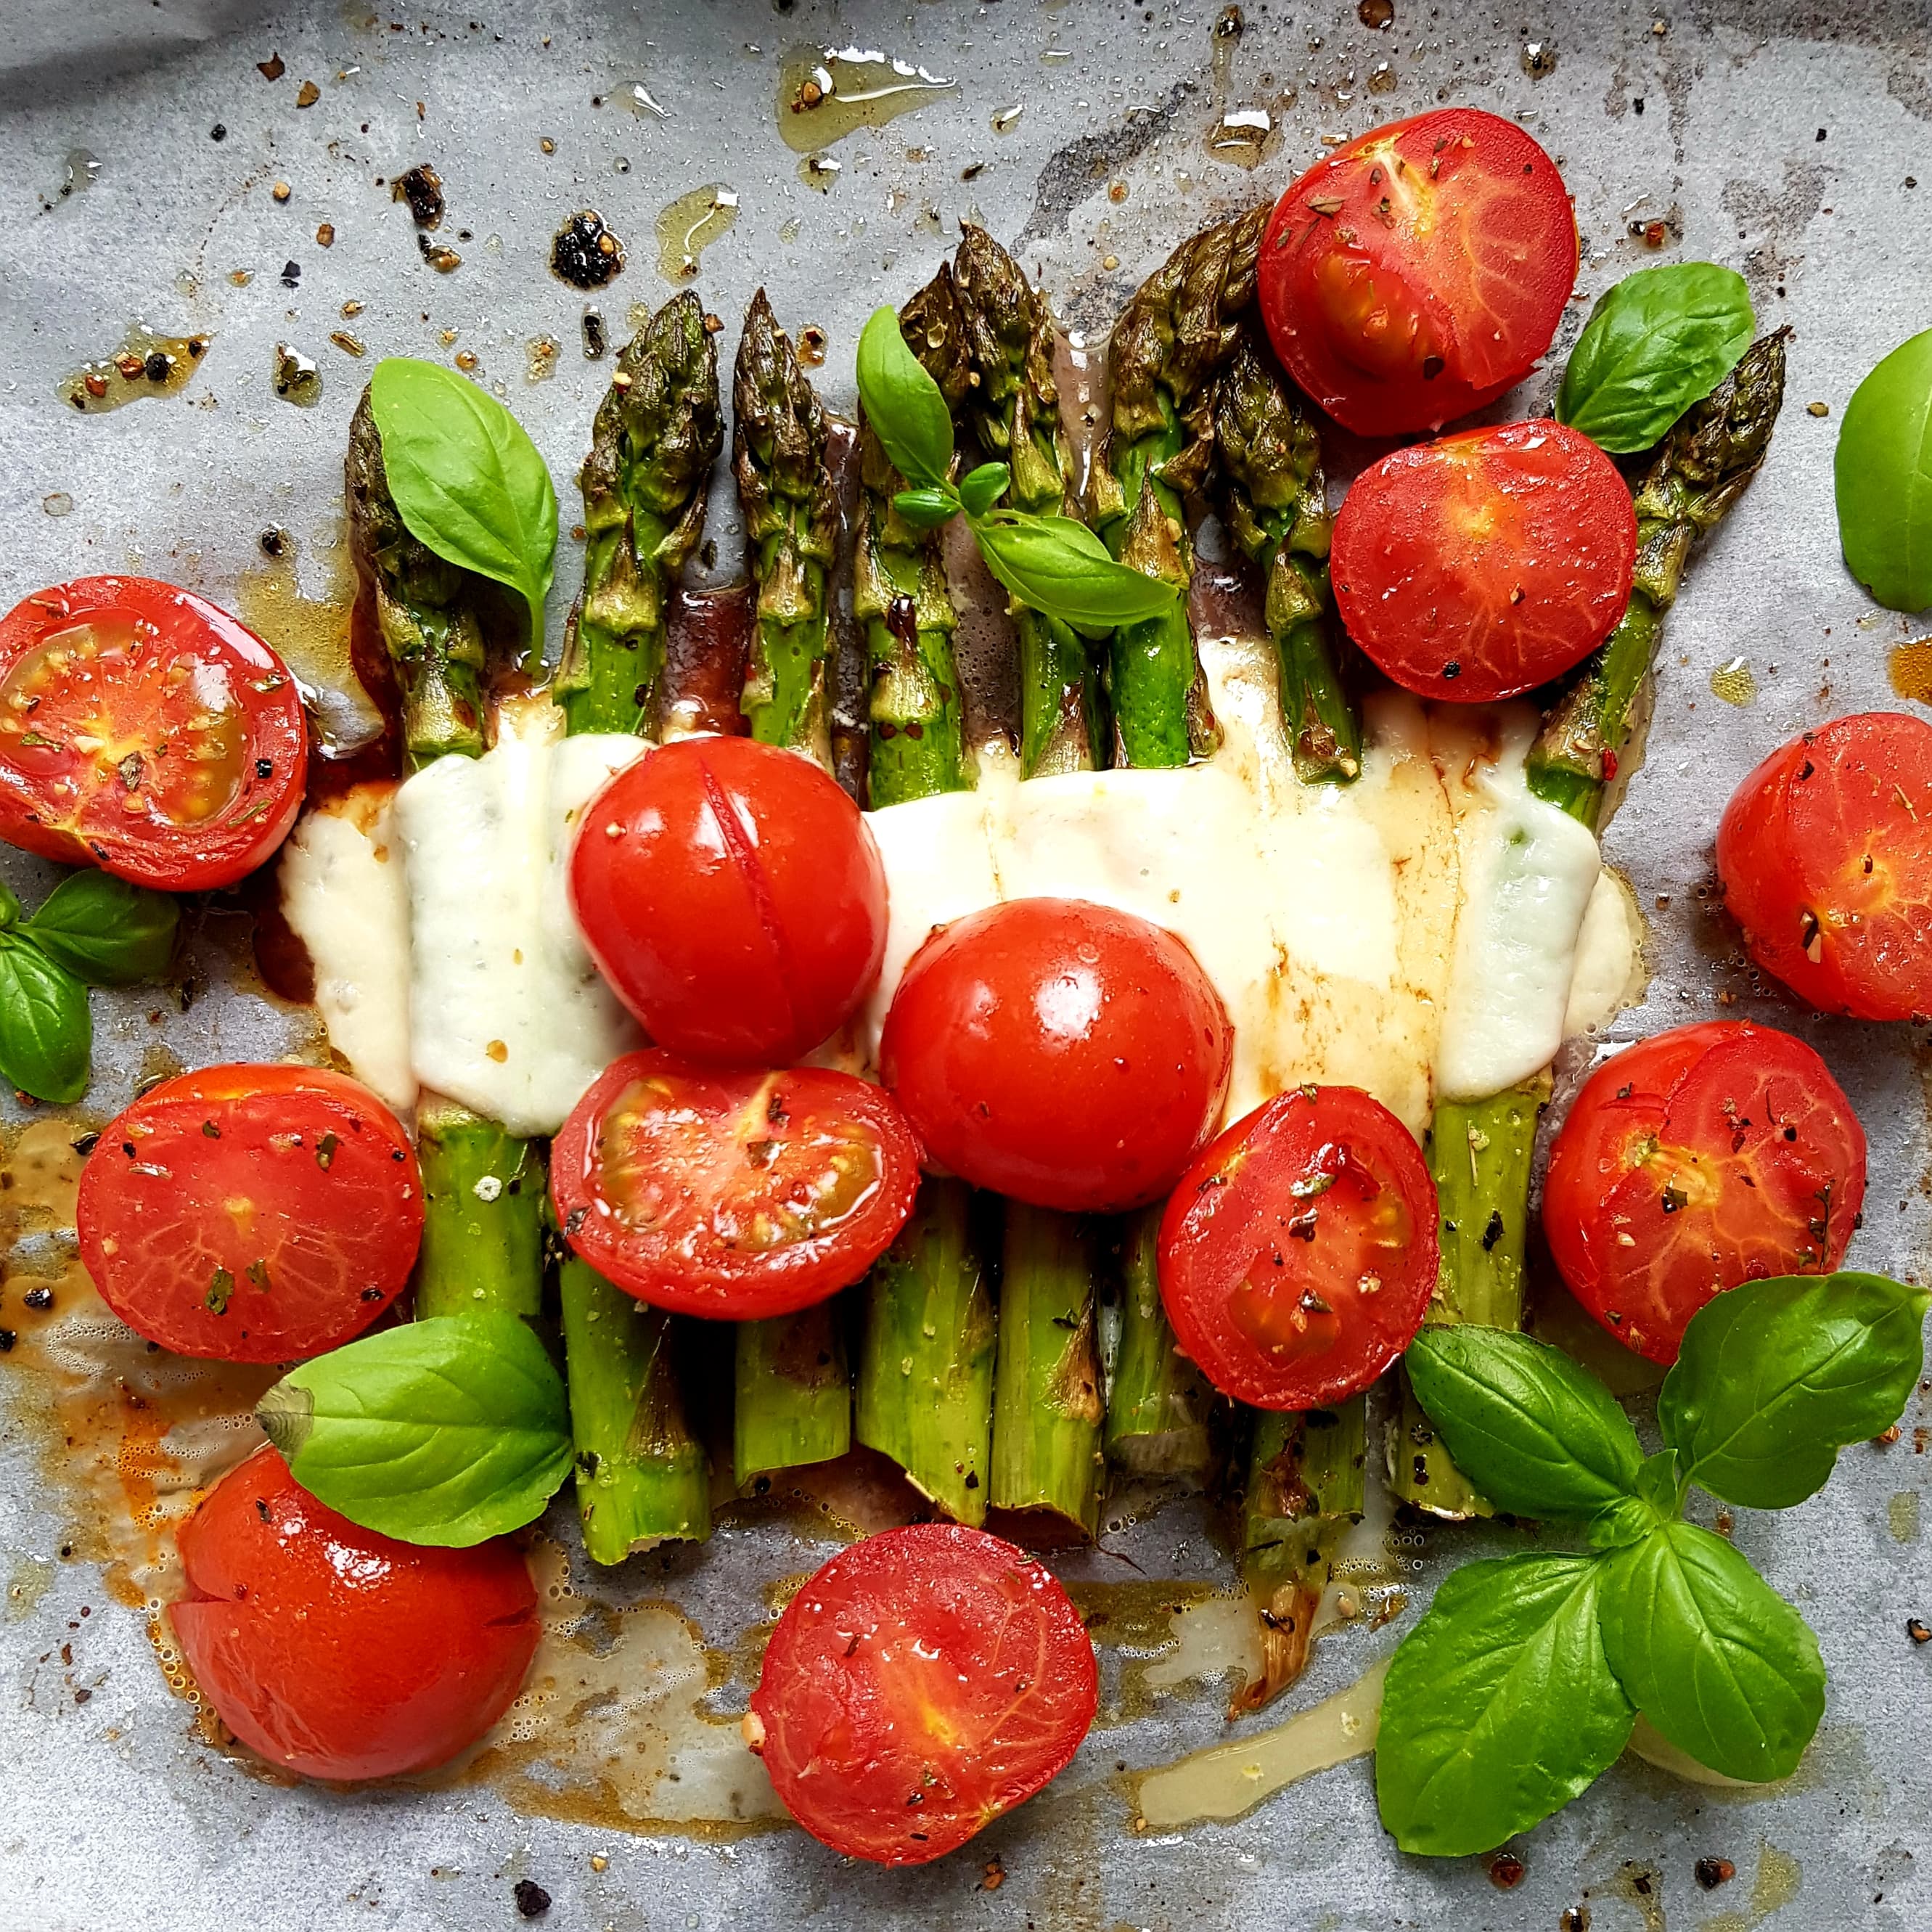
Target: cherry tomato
{"points": [[730, 1192], [731, 893], [338, 1653], [1058, 1052], [253, 1214], [1825, 855], [144, 730], [1693, 1162], [1298, 1253], [1416, 273], [1487, 563], [921, 1683]]}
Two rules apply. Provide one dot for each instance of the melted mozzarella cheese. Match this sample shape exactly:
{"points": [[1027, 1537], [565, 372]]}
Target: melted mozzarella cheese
{"points": [[1610, 958]]}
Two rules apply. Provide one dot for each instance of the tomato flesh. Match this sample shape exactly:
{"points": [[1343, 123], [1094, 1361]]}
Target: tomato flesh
{"points": [[337, 1653], [1298, 1253], [728, 1191], [1417, 272], [1058, 1052], [731, 893], [1696, 1161], [144, 729], [921, 1683], [1825, 852], [251, 1214], [1484, 564]]}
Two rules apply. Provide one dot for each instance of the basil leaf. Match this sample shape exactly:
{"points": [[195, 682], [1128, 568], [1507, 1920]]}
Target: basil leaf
{"points": [[467, 479], [1535, 1433], [926, 509], [46, 1033], [1499, 1707], [9, 907], [903, 404], [1057, 566], [1716, 1661], [1883, 477], [1776, 1377], [980, 489], [444, 1431], [104, 930], [1659, 341]]}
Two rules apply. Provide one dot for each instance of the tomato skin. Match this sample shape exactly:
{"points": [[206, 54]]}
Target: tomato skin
{"points": [[1504, 553], [306, 1195], [1746, 1131], [1824, 854], [1317, 1193], [667, 1173], [337, 1653], [902, 1629], [1058, 1052], [731, 894], [1417, 273], [136, 645]]}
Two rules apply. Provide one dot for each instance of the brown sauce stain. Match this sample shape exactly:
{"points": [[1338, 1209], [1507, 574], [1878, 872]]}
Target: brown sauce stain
{"points": [[145, 364], [706, 637]]}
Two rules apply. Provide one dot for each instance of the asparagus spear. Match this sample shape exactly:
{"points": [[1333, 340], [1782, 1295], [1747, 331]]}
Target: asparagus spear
{"points": [[1159, 1403], [1480, 1151], [483, 1189], [642, 1477], [656, 435], [794, 1394], [1177, 330]]}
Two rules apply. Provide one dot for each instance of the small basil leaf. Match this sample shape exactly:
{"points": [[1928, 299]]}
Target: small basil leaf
{"points": [[903, 404], [46, 1033], [1711, 1653], [926, 509], [1776, 1377], [444, 1431], [1499, 1707], [467, 479], [1883, 480], [105, 931], [1057, 566], [1628, 1520], [980, 489], [1659, 340], [9, 907], [1535, 1433]]}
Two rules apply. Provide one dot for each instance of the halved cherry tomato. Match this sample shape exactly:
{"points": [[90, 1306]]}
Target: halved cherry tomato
{"points": [[144, 730], [1418, 272], [1298, 1253], [921, 1683], [1058, 1052], [731, 893], [729, 1192], [1825, 855], [252, 1214], [1695, 1161], [338, 1653], [1485, 564]]}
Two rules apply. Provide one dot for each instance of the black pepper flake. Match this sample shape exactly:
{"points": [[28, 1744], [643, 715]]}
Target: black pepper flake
{"points": [[1712, 1872], [291, 274], [1493, 1233], [595, 340], [325, 1151], [218, 133], [264, 768], [533, 1901], [584, 252], [273, 542], [422, 188], [7, 1339], [40, 1298], [157, 366]]}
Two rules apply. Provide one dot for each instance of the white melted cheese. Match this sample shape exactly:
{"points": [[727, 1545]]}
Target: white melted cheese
{"points": [[507, 1013]]}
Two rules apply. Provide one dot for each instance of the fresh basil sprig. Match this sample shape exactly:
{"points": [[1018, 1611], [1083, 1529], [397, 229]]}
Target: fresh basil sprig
{"points": [[1054, 564], [467, 479], [446, 1432], [1883, 490], [1656, 342], [91, 930], [1522, 1682]]}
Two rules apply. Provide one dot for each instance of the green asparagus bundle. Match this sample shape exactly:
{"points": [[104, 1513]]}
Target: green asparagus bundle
{"points": [[642, 1476], [1160, 1405], [1480, 1150], [793, 1392]]}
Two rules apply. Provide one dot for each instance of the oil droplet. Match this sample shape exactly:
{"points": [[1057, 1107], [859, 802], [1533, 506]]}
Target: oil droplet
{"points": [[297, 379], [789, 231], [1911, 670], [541, 352], [824, 93], [819, 172], [1381, 78], [1007, 118], [311, 635], [1539, 58], [1901, 1516], [1734, 683], [145, 364], [82, 168], [58, 504], [688, 225], [637, 98], [1778, 1881], [1376, 13], [1243, 136]]}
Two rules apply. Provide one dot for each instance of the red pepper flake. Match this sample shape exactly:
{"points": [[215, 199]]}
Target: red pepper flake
{"points": [[1506, 1871]]}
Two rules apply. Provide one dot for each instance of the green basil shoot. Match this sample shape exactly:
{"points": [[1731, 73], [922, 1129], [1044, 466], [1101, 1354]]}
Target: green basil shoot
{"points": [[1657, 342], [106, 931], [1521, 1684], [1883, 481], [467, 481], [904, 404]]}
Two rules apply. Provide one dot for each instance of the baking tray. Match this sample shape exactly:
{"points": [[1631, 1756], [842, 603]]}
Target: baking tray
{"points": [[1785, 139]]}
